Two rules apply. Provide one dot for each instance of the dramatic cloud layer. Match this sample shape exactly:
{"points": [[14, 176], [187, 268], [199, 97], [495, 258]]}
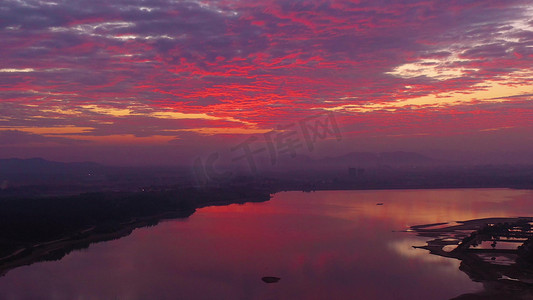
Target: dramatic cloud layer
{"points": [[153, 72]]}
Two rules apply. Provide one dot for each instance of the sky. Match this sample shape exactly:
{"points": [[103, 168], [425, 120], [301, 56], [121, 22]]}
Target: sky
{"points": [[161, 81]]}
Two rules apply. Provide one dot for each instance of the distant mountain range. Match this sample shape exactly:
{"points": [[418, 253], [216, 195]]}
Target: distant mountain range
{"points": [[360, 159], [383, 158], [354, 159], [42, 166]]}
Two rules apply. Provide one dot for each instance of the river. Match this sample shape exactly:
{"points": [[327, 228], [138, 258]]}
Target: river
{"points": [[322, 245]]}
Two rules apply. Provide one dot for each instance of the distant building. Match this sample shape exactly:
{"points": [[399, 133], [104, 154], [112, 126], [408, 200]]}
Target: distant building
{"points": [[356, 172]]}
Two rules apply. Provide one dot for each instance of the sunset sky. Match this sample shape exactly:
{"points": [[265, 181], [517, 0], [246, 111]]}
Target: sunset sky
{"points": [[157, 81]]}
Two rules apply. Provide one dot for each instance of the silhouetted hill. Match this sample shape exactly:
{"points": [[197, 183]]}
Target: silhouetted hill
{"points": [[42, 166]]}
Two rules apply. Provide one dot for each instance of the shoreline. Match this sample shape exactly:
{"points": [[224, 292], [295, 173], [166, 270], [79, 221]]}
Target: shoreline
{"points": [[46, 250], [94, 233]]}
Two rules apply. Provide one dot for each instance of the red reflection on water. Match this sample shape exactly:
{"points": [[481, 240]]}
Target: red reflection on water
{"points": [[323, 245]]}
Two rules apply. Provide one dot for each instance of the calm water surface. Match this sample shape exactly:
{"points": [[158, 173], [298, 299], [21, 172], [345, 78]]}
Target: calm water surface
{"points": [[323, 245]]}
